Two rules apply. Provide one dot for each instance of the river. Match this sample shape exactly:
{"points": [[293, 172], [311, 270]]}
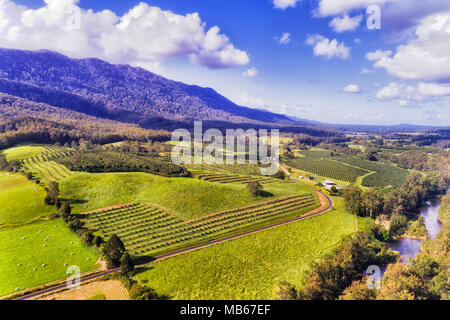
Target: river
{"points": [[408, 248]]}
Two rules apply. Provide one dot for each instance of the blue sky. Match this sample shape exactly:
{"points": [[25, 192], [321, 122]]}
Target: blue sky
{"points": [[345, 73]]}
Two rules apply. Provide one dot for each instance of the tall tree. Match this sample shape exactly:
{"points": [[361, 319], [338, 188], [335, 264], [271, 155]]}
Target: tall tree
{"points": [[353, 200], [114, 250], [374, 201], [126, 263]]}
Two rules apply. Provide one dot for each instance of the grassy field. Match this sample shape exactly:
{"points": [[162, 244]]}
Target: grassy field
{"points": [[48, 171], [250, 267], [20, 256], [21, 200], [23, 152], [186, 197]]}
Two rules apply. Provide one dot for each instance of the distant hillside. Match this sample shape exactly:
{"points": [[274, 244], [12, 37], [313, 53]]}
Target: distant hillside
{"points": [[118, 92], [27, 121]]}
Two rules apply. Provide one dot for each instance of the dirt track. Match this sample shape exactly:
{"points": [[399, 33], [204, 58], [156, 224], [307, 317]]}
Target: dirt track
{"points": [[111, 289]]}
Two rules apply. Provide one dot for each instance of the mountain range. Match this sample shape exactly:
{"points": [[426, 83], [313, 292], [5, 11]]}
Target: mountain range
{"points": [[117, 92], [130, 95]]}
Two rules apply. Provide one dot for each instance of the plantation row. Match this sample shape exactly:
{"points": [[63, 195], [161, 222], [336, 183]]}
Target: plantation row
{"points": [[227, 178], [50, 153], [148, 230], [242, 169], [45, 168], [347, 168], [326, 167], [49, 171], [385, 175]]}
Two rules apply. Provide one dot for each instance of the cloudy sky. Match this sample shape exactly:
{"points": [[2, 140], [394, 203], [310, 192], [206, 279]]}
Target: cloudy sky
{"points": [[324, 60]]}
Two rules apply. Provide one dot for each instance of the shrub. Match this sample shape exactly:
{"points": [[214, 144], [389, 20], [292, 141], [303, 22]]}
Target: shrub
{"points": [[285, 291], [87, 237], [97, 241], [53, 216], [398, 224], [126, 264], [255, 188], [140, 292], [74, 224], [65, 209]]}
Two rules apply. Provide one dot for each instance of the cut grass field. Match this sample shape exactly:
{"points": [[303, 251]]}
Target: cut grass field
{"points": [[186, 197], [23, 152], [19, 256], [48, 171], [21, 200], [250, 267]]}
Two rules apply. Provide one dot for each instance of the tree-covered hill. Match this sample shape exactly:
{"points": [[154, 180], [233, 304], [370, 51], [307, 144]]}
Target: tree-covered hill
{"points": [[98, 88]]}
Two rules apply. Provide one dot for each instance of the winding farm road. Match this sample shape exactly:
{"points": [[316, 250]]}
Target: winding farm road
{"points": [[325, 204]]}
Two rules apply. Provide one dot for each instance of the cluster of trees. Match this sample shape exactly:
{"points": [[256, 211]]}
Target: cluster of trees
{"points": [[10, 166], [115, 254], [95, 162], [328, 278], [425, 277], [135, 147], [341, 275], [397, 203], [27, 121], [304, 141]]}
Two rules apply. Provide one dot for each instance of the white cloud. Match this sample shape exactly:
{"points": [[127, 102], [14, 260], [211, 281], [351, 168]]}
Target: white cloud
{"points": [[145, 34], [366, 71], [378, 55], [285, 38], [328, 48], [346, 23], [433, 89], [252, 72], [352, 88], [251, 101], [391, 91], [425, 58], [284, 4], [407, 95], [333, 7]]}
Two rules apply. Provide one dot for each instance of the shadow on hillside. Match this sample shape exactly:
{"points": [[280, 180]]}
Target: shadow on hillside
{"points": [[74, 201], [266, 194]]}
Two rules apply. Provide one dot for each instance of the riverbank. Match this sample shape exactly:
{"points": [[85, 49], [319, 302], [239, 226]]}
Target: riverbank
{"points": [[409, 246]]}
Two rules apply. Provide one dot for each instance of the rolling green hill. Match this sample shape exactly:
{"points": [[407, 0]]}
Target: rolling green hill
{"points": [[21, 200], [186, 197]]}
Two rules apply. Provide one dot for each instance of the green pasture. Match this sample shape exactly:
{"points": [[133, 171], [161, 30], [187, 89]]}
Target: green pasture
{"points": [[23, 152], [21, 200], [24, 248]]}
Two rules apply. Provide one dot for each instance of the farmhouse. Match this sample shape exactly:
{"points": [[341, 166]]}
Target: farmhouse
{"points": [[328, 184]]}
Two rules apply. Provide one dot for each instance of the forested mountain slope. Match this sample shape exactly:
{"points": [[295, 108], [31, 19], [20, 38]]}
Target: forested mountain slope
{"points": [[95, 87]]}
